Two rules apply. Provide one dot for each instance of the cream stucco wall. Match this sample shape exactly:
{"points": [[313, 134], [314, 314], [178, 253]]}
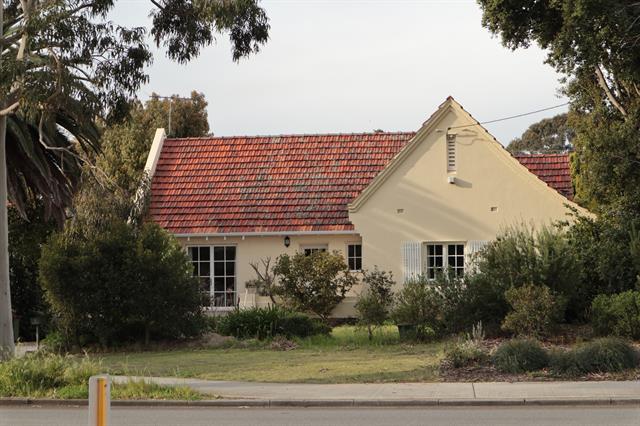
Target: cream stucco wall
{"points": [[413, 200], [251, 249]]}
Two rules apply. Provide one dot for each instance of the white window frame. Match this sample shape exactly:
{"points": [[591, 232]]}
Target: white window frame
{"points": [[313, 248], [459, 267], [354, 243], [212, 275]]}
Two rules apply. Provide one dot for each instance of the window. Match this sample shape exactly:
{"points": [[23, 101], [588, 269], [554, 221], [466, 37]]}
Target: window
{"points": [[201, 261], [435, 260], [309, 250], [440, 257], [216, 268], [354, 257]]}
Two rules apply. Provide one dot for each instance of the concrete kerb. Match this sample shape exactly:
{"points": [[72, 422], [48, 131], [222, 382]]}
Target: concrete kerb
{"points": [[264, 403]]}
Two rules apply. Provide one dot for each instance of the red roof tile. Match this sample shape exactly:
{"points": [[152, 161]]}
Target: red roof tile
{"points": [[554, 169], [281, 183]]}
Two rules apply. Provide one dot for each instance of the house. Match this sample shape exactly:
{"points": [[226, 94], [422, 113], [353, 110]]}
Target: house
{"points": [[409, 203]]}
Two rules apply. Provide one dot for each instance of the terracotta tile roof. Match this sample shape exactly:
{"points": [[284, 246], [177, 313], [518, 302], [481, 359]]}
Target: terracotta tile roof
{"points": [[266, 184], [281, 183], [554, 169]]}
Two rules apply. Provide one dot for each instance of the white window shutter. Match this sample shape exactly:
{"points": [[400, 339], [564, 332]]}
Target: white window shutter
{"points": [[471, 250], [412, 259]]}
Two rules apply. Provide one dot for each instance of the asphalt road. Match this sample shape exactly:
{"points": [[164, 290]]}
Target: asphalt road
{"points": [[494, 416]]}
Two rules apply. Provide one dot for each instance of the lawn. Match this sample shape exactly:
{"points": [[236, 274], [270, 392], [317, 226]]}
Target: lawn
{"points": [[344, 357]]}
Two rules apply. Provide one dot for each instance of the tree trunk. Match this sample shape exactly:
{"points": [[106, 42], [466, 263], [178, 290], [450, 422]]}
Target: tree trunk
{"points": [[7, 347]]}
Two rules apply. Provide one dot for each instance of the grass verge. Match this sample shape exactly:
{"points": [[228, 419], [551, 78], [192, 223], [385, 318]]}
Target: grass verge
{"points": [[53, 376], [346, 356]]}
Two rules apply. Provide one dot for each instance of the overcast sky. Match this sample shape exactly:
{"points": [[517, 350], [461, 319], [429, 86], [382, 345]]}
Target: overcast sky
{"points": [[352, 66]]}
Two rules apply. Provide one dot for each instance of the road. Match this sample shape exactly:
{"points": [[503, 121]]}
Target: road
{"points": [[494, 416]]}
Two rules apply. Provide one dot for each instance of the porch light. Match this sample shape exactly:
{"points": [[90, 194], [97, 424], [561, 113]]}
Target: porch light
{"points": [[287, 241]]}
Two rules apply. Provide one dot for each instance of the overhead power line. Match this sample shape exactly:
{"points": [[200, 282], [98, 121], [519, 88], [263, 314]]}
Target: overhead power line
{"points": [[512, 116]]}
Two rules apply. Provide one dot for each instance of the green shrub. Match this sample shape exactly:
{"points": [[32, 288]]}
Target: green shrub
{"points": [[519, 356], [315, 284], [605, 355], [263, 323], [420, 304], [518, 257], [617, 314], [465, 354], [120, 285], [536, 311], [375, 301], [606, 250]]}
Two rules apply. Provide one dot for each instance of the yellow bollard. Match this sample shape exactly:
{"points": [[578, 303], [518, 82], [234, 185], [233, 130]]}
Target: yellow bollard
{"points": [[99, 400]]}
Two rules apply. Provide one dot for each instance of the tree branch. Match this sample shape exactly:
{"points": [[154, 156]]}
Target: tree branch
{"points": [[607, 90], [8, 110]]}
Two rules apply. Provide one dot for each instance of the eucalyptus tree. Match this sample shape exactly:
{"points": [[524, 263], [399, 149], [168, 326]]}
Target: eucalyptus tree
{"points": [[595, 44], [64, 65]]}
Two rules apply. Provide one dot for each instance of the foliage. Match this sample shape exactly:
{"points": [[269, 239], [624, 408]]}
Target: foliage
{"points": [[25, 240], [607, 262], [520, 256], [316, 283], [465, 354], [606, 355], [419, 303], [374, 303], [520, 356], [594, 44], [263, 323], [547, 135], [125, 145], [617, 314], [120, 284], [536, 311]]}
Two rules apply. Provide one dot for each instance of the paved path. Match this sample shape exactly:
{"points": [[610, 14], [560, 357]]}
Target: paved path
{"points": [[405, 391], [490, 416]]}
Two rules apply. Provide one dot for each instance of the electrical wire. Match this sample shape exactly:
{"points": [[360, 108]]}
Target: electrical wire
{"points": [[511, 117]]}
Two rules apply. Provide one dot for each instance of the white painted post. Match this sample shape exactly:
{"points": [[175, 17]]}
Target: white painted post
{"points": [[99, 400]]}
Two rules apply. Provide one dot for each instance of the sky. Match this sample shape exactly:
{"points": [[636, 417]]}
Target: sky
{"points": [[359, 65]]}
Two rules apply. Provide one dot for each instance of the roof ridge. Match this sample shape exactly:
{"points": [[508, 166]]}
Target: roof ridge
{"points": [[294, 135]]}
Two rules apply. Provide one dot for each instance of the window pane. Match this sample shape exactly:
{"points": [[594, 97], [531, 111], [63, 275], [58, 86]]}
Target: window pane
{"points": [[205, 284], [231, 299], [438, 261], [218, 269], [352, 264], [352, 250], [218, 284], [359, 250], [358, 264], [193, 253], [460, 250], [431, 250], [231, 268], [204, 253], [452, 261], [205, 269], [438, 250], [231, 253], [307, 252], [231, 284], [218, 253], [218, 299]]}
